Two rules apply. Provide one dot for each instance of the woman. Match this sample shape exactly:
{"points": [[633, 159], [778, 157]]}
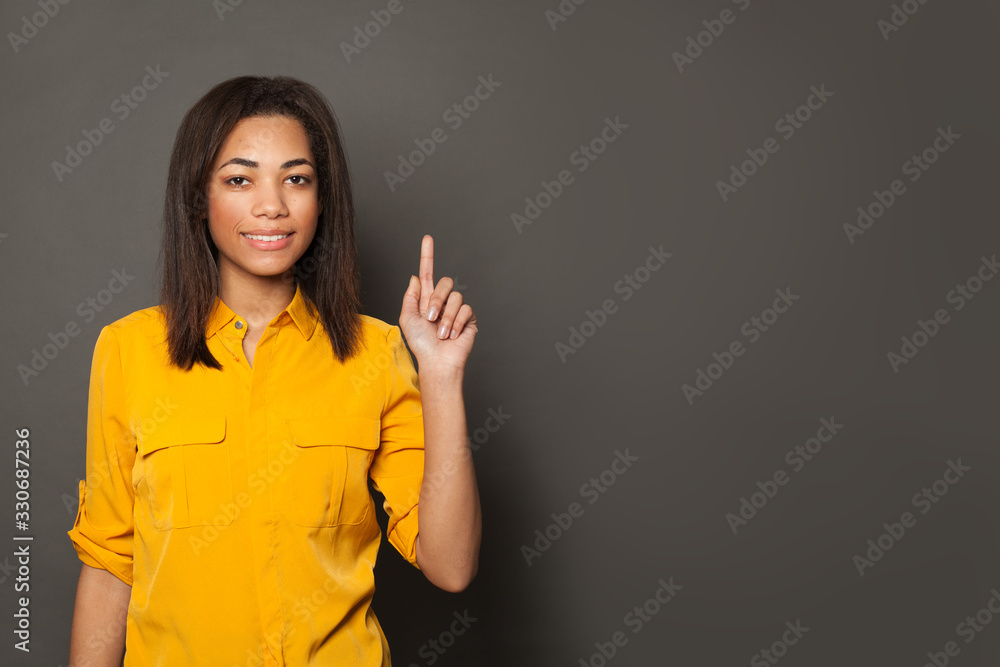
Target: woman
{"points": [[226, 518]]}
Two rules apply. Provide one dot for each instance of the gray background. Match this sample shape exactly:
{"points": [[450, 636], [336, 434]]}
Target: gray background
{"points": [[666, 516]]}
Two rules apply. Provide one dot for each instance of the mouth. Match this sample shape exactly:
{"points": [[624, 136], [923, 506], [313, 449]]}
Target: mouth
{"points": [[276, 240], [265, 237]]}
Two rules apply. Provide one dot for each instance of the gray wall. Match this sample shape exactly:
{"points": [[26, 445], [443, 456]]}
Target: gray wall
{"points": [[674, 514]]}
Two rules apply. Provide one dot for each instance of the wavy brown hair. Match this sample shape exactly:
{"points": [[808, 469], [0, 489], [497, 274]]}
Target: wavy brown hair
{"points": [[328, 272]]}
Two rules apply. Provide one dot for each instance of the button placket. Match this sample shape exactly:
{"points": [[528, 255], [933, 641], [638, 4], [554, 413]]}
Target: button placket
{"points": [[232, 338], [239, 337]]}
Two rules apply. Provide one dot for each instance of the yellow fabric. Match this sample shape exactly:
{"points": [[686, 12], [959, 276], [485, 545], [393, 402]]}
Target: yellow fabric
{"points": [[236, 503]]}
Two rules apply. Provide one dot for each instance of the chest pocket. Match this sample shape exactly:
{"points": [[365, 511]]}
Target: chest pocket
{"points": [[187, 472], [329, 475]]}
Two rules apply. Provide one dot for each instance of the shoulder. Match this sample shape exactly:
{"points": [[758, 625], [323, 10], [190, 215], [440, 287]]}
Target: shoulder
{"points": [[147, 319], [141, 326], [380, 338], [130, 336], [372, 327]]}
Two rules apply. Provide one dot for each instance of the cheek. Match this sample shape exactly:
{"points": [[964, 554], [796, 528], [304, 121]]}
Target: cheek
{"points": [[307, 211], [223, 213], [307, 207]]}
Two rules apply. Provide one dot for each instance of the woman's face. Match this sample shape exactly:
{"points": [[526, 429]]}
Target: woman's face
{"points": [[263, 198]]}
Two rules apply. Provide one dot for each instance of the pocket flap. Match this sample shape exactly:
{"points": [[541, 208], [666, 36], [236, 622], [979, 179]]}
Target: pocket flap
{"points": [[342, 431], [187, 430]]}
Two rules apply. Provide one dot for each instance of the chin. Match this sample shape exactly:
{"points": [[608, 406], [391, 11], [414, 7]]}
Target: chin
{"points": [[268, 271]]}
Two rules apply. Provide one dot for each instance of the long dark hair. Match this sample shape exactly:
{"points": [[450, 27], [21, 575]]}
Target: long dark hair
{"points": [[328, 272]]}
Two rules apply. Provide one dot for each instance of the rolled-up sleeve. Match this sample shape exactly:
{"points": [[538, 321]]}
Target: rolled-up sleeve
{"points": [[398, 466], [103, 531]]}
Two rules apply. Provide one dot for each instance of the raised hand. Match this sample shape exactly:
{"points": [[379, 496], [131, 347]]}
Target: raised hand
{"points": [[438, 327]]}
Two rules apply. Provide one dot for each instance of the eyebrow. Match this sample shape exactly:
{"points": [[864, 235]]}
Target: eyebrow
{"points": [[253, 165]]}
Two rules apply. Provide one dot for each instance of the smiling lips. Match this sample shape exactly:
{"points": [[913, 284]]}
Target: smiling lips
{"points": [[267, 239]]}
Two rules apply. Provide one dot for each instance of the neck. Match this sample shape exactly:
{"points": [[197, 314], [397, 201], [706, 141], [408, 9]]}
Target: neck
{"points": [[257, 299]]}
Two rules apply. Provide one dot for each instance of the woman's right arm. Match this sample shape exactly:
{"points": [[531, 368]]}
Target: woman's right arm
{"points": [[102, 533], [97, 637]]}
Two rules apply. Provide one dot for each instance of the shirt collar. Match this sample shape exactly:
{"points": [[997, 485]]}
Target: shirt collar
{"points": [[297, 311]]}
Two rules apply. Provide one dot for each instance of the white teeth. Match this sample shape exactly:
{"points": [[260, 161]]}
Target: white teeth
{"points": [[259, 237]]}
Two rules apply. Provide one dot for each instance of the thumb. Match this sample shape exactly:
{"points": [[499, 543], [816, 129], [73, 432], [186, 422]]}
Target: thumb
{"points": [[411, 303]]}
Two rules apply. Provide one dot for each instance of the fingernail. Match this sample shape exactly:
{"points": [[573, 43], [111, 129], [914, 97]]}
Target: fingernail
{"points": [[431, 313], [443, 332]]}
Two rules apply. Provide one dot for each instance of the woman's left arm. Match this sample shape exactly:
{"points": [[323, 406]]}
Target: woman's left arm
{"points": [[440, 330], [450, 520]]}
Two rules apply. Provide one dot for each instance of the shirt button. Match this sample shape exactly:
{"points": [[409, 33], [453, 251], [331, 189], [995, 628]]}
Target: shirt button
{"points": [[239, 325]]}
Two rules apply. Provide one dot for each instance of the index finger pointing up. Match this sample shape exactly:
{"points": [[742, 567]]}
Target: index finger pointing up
{"points": [[426, 274]]}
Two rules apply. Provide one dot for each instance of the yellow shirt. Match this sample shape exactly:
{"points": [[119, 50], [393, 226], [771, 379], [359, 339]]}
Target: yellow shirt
{"points": [[235, 502]]}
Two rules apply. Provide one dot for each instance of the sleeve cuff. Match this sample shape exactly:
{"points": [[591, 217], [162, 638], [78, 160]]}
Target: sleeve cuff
{"points": [[88, 559], [403, 536], [94, 555]]}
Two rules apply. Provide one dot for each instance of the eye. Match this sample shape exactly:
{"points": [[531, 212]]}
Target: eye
{"points": [[303, 180], [232, 181]]}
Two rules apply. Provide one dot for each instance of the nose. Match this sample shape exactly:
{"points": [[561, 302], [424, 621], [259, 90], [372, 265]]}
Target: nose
{"points": [[269, 200]]}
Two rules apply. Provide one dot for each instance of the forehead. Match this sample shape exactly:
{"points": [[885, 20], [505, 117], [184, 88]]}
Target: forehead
{"points": [[266, 134]]}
